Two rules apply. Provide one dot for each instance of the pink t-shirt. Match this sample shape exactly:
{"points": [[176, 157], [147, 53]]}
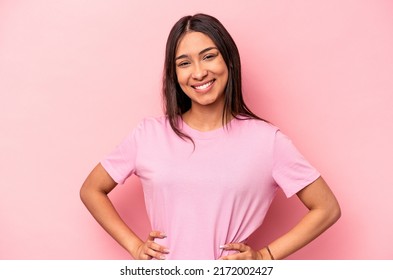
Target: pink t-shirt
{"points": [[213, 195]]}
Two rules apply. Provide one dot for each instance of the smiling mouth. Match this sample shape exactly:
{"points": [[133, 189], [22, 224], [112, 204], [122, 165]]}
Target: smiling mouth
{"points": [[204, 86]]}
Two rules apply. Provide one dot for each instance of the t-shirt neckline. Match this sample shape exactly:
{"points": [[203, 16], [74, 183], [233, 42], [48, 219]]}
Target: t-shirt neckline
{"points": [[210, 134]]}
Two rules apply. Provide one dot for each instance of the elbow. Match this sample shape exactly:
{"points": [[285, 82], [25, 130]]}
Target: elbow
{"points": [[337, 213], [83, 194], [90, 192], [334, 213]]}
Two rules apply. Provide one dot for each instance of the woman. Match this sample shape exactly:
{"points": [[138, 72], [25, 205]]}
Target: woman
{"points": [[210, 167]]}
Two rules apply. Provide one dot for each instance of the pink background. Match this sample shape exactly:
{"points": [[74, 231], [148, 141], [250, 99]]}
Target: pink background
{"points": [[76, 76]]}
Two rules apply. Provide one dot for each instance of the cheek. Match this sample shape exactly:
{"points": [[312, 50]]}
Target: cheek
{"points": [[181, 77], [221, 69], [224, 75], [181, 80]]}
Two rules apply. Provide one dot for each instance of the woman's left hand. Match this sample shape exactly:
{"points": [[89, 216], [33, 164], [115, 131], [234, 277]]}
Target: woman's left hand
{"points": [[245, 252]]}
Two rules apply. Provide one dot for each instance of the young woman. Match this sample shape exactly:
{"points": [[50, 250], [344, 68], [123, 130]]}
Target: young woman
{"points": [[209, 167]]}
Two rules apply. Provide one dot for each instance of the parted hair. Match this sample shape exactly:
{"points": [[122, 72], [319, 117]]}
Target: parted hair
{"points": [[175, 101]]}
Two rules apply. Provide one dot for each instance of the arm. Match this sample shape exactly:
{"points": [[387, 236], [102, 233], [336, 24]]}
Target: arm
{"points": [[324, 211], [94, 194]]}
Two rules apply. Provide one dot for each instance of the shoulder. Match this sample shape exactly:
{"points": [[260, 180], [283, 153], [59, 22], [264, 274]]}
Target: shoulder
{"points": [[254, 126], [150, 126], [157, 121]]}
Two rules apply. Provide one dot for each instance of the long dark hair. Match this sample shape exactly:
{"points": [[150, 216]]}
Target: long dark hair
{"points": [[176, 102]]}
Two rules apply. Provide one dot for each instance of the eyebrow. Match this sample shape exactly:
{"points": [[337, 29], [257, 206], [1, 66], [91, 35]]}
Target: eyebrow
{"points": [[201, 52]]}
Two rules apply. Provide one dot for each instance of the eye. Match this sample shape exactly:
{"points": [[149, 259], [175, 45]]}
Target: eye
{"points": [[209, 56], [183, 64]]}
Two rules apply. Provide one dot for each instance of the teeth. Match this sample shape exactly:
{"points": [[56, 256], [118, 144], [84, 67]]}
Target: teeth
{"points": [[204, 86]]}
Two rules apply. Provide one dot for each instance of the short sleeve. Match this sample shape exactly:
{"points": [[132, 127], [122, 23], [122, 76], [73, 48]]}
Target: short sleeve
{"points": [[291, 171], [120, 163]]}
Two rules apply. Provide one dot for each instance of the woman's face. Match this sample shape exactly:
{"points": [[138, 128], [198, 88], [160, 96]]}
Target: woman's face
{"points": [[201, 70]]}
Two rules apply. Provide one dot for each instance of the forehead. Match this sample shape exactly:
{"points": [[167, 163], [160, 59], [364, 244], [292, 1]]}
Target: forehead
{"points": [[193, 42]]}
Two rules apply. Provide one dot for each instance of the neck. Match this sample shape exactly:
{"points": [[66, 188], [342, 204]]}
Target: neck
{"points": [[204, 119]]}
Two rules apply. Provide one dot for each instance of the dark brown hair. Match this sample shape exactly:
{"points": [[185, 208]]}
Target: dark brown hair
{"points": [[176, 102]]}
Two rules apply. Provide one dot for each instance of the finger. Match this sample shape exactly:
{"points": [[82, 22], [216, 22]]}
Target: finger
{"points": [[159, 255], [158, 248], [145, 257], [236, 256], [153, 250], [154, 254], [247, 255], [156, 234], [236, 247]]}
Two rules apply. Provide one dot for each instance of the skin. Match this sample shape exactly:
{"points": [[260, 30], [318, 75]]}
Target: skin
{"points": [[324, 211], [94, 194], [199, 62], [202, 75]]}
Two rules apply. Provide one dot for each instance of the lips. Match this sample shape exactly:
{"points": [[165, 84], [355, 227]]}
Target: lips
{"points": [[203, 86]]}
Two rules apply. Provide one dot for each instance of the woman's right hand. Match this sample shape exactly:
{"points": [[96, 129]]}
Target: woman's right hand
{"points": [[150, 249]]}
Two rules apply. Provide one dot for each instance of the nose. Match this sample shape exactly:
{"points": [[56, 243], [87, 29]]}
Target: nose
{"points": [[199, 72]]}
